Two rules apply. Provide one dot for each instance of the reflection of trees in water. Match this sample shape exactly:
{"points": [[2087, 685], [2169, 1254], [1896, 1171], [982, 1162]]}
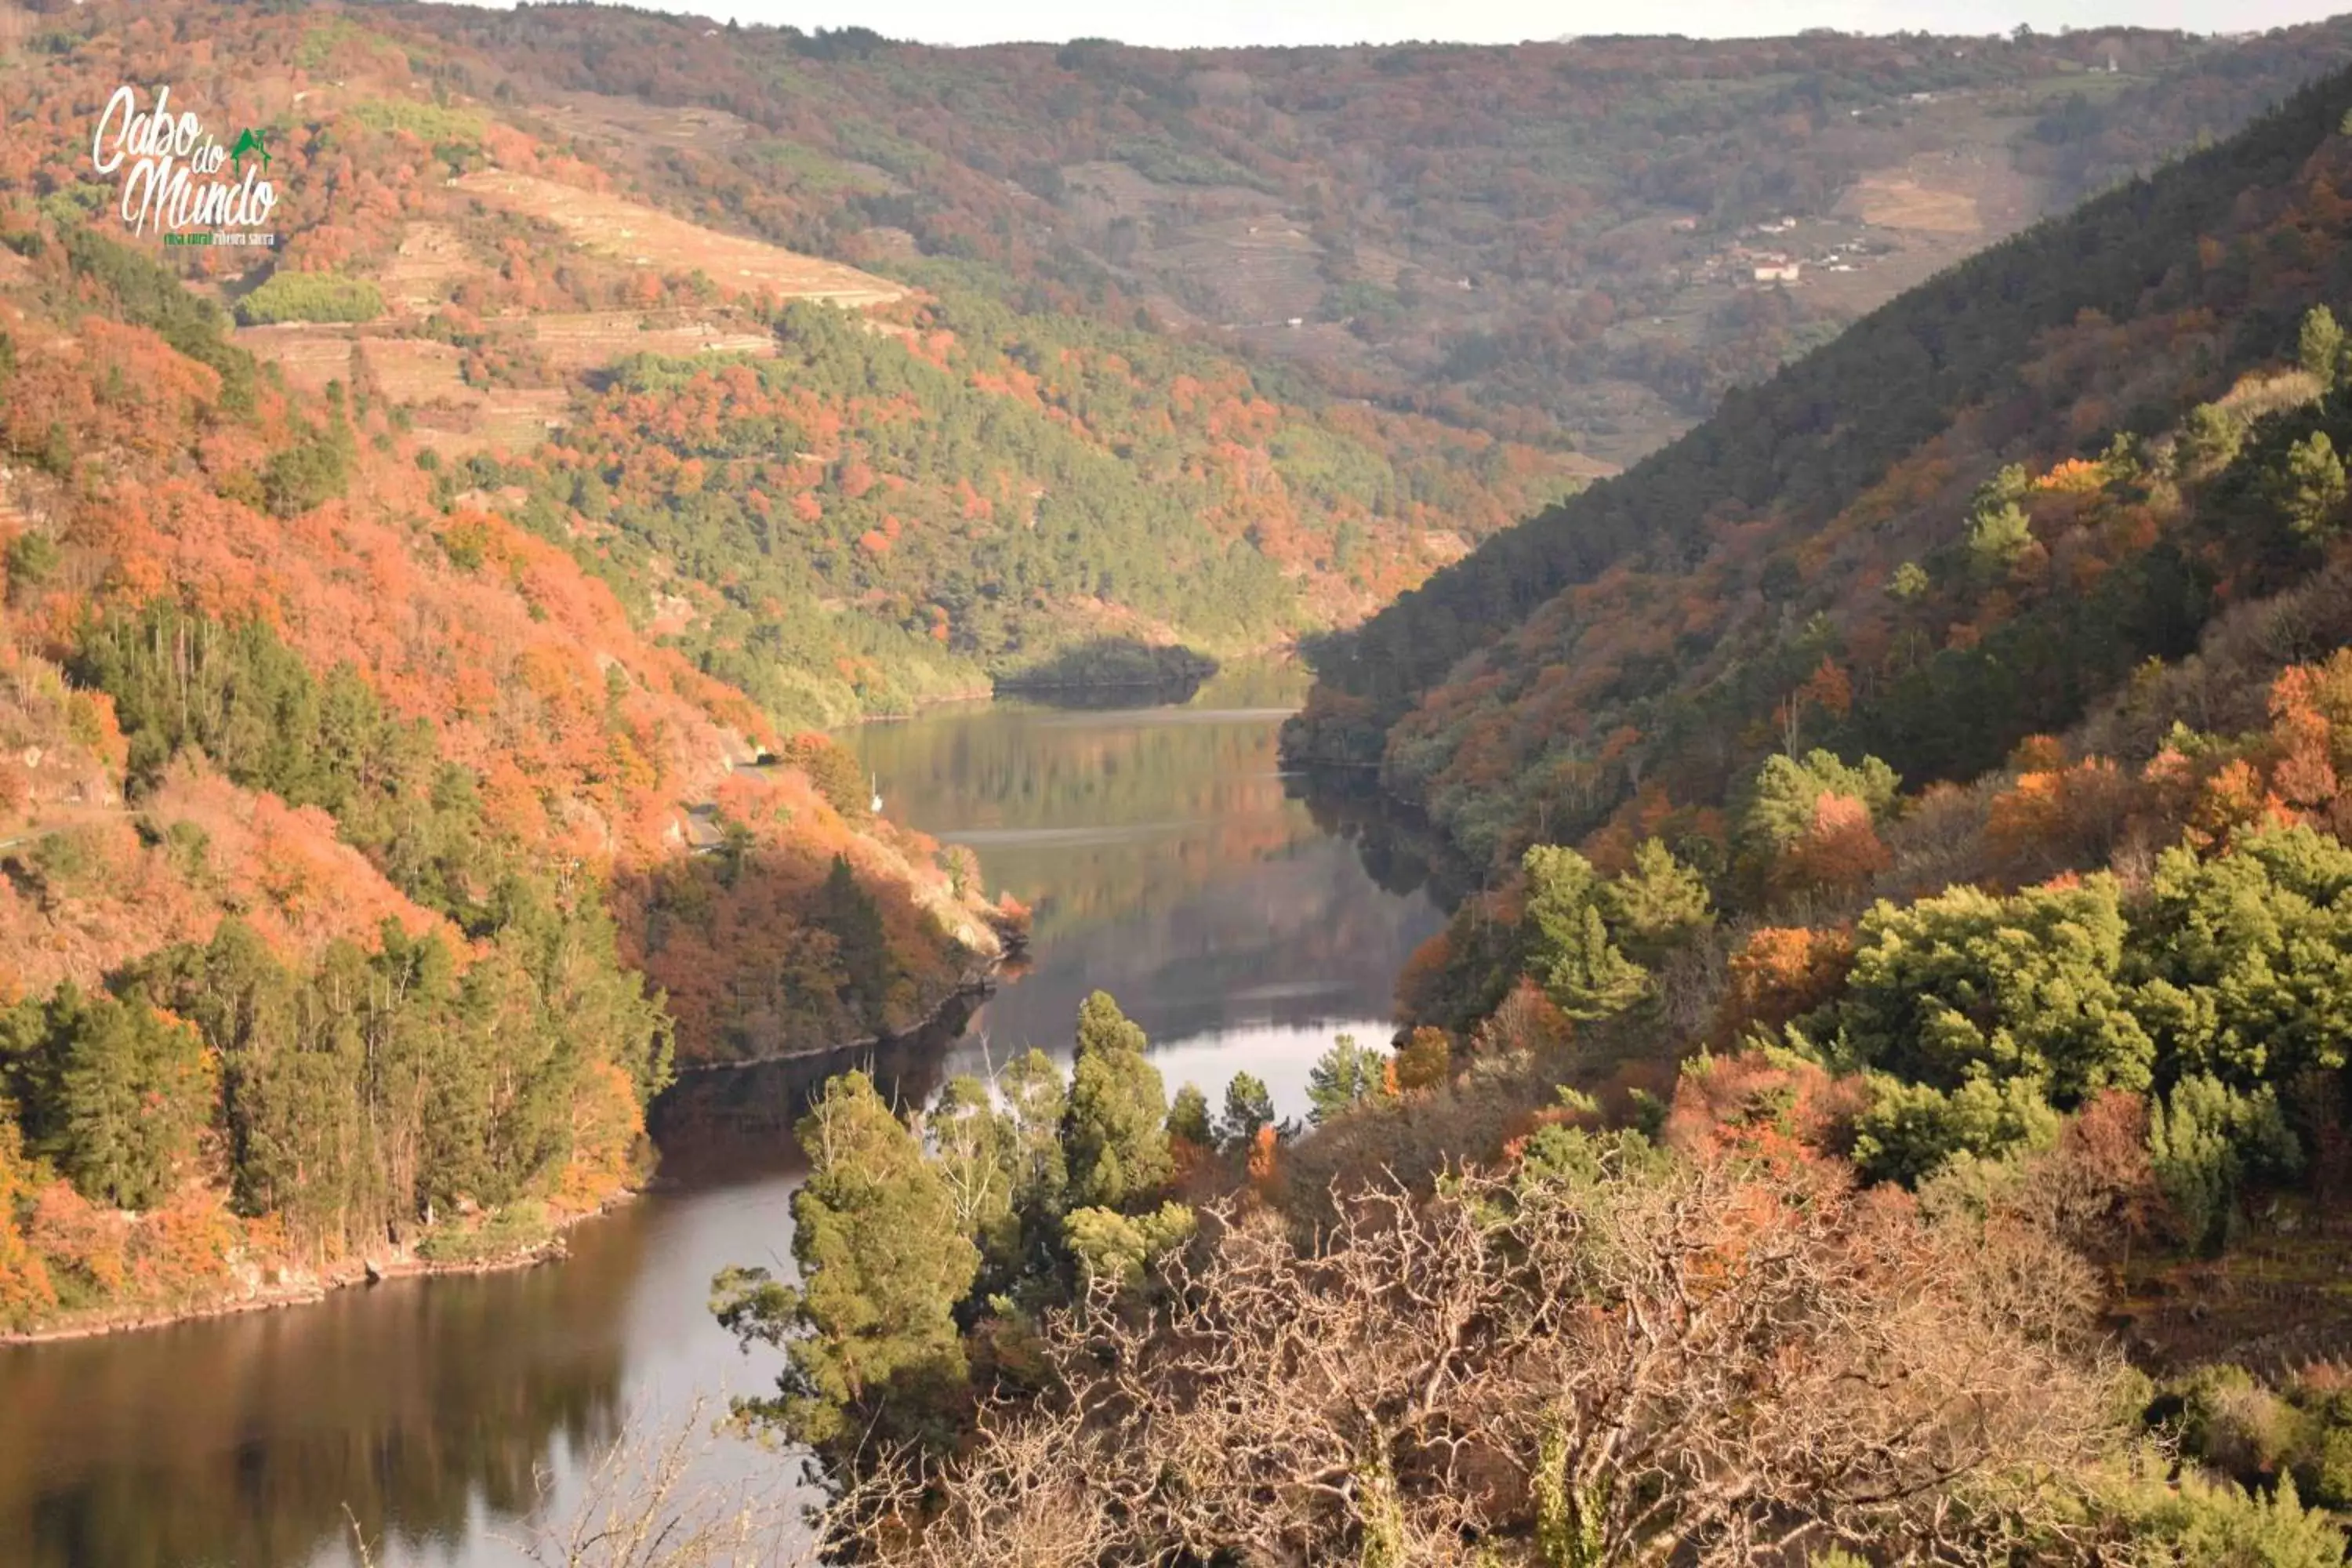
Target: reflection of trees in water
{"points": [[1257, 683], [1290, 939], [418, 1403], [1041, 768], [1074, 677], [733, 1124], [1398, 848], [1169, 861], [1263, 681], [1124, 811], [240, 1441]]}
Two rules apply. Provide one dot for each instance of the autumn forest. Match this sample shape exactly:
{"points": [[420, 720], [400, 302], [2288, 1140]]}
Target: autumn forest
{"points": [[1822, 560]]}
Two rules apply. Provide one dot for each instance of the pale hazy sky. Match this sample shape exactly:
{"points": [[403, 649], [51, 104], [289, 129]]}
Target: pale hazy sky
{"points": [[1190, 22]]}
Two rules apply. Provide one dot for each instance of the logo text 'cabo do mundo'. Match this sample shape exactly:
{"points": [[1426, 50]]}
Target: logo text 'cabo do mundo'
{"points": [[178, 178]]}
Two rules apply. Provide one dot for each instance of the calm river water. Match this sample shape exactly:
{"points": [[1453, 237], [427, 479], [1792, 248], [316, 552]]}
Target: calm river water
{"points": [[1165, 864]]}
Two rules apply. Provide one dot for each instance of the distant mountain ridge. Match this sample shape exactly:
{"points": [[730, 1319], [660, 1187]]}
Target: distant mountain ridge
{"points": [[1547, 240]]}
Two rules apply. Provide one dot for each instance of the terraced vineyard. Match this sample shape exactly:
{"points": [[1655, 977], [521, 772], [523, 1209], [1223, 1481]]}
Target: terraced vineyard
{"points": [[641, 236]]}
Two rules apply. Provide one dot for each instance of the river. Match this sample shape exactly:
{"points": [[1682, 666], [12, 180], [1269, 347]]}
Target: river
{"points": [[1166, 862]]}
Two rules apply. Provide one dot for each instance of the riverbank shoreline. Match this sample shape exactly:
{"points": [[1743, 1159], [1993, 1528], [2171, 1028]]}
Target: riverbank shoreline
{"points": [[973, 988], [307, 1287], [1231, 923]]}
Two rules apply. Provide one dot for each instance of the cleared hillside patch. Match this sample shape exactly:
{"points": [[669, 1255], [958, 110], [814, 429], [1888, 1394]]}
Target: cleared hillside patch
{"points": [[311, 356], [1892, 201], [431, 257], [585, 340], [643, 237]]}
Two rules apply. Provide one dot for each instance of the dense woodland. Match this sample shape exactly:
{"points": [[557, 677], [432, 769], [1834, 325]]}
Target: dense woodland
{"points": [[352, 898], [986, 492], [2060, 459], [879, 518]]}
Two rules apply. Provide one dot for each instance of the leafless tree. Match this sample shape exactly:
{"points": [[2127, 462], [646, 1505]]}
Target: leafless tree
{"points": [[644, 1505], [1647, 1360]]}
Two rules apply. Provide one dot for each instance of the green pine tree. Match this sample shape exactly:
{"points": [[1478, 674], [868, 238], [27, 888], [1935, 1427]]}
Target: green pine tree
{"points": [[1188, 1118], [1249, 1105], [2319, 344], [1568, 946], [1656, 904], [1998, 535], [131, 1089], [2210, 439], [1107, 1245], [1115, 1134], [863, 945], [2205, 1140], [1787, 790], [2313, 489], [869, 1332], [1345, 1076]]}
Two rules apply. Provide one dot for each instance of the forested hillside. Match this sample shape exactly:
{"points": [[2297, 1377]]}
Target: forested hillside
{"points": [[977, 494], [1555, 242], [928, 483], [366, 871], [1908, 975], [1960, 524], [2087, 142], [1312, 325]]}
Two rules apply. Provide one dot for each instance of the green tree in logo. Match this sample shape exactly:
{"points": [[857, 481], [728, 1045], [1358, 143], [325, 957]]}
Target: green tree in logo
{"points": [[249, 140]]}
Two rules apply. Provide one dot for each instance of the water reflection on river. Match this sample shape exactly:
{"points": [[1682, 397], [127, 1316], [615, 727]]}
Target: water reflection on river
{"points": [[1165, 863]]}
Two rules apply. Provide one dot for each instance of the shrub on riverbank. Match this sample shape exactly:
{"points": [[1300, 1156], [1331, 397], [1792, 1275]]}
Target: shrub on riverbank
{"points": [[501, 1234]]}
